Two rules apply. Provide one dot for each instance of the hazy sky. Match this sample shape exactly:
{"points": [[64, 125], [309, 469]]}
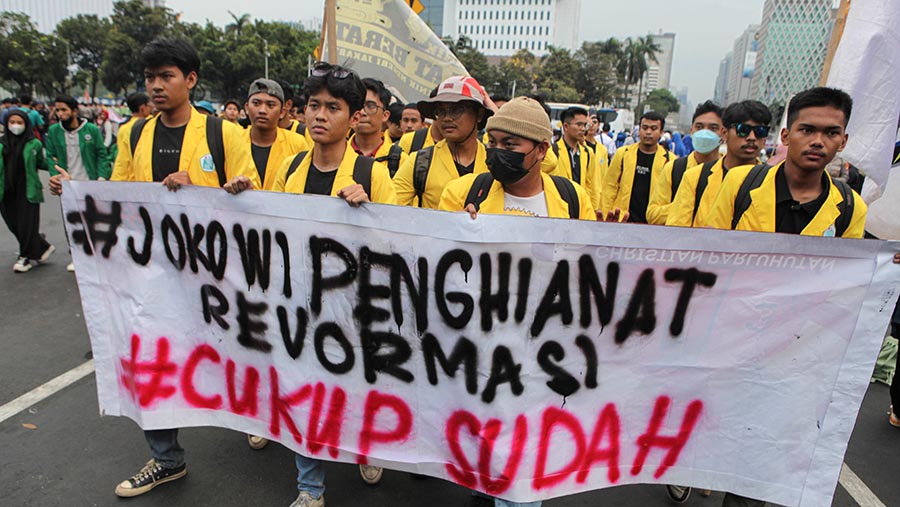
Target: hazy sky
{"points": [[705, 29]]}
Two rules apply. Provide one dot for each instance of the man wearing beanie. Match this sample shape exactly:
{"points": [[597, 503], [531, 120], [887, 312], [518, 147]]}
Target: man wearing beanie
{"points": [[460, 109], [518, 138]]}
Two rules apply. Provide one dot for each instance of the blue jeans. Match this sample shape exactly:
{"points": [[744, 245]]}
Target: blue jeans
{"points": [[310, 475], [164, 447]]}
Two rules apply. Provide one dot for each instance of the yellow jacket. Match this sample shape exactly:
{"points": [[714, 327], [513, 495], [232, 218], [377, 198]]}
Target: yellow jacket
{"points": [[590, 169], [454, 198], [619, 178], [286, 143], [442, 171], [382, 189], [406, 140], [681, 212], [384, 150], [139, 166], [661, 196], [760, 216]]}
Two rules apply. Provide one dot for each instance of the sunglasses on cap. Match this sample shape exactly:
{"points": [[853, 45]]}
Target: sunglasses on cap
{"points": [[323, 69], [743, 130]]}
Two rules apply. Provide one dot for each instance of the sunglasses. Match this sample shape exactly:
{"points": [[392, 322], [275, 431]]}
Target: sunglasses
{"points": [[743, 130], [322, 69]]}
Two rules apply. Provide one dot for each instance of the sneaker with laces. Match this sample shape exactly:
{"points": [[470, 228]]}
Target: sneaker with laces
{"points": [[678, 494], [23, 265], [256, 442], [153, 474], [46, 255], [304, 499], [372, 475]]}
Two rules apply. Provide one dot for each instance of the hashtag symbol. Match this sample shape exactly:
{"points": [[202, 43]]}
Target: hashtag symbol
{"points": [[91, 234], [153, 373]]}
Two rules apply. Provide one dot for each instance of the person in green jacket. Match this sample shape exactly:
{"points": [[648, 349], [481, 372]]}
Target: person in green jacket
{"points": [[21, 192], [76, 145]]}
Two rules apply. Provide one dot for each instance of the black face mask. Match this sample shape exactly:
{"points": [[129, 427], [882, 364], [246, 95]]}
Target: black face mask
{"points": [[506, 165]]}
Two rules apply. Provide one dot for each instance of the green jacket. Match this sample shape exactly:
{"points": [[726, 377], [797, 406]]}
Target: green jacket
{"points": [[34, 160], [93, 153]]}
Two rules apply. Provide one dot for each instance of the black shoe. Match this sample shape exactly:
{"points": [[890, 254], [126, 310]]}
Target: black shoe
{"points": [[152, 475], [678, 494]]}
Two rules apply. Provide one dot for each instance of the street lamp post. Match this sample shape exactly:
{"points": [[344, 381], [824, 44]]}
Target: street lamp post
{"points": [[266, 49]]}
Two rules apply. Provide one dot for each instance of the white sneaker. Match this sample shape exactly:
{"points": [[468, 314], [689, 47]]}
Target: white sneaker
{"points": [[23, 265], [46, 255], [304, 499], [372, 475], [71, 267]]}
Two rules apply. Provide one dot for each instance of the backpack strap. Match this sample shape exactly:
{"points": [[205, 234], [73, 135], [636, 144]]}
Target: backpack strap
{"points": [[392, 159], [362, 173], [300, 129], [555, 147], [846, 206], [298, 159], [136, 130], [480, 189], [678, 169], [216, 146], [420, 171], [567, 191], [705, 173], [742, 201], [418, 140]]}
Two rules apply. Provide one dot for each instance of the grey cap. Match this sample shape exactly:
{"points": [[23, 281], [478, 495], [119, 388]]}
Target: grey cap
{"points": [[266, 86]]}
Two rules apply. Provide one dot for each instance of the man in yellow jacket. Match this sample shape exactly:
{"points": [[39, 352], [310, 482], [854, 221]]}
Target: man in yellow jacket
{"points": [[700, 184], [173, 149], [460, 110], [269, 145], [574, 159], [797, 196], [706, 134], [630, 176], [519, 138], [370, 139]]}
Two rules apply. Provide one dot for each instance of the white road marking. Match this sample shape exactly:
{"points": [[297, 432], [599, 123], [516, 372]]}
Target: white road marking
{"points": [[40, 393], [858, 489]]}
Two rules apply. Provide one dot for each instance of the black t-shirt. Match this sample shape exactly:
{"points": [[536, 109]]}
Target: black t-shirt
{"points": [[166, 150], [640, 189], [465, 169], [791, 217], [319, 183], [260, 159]]}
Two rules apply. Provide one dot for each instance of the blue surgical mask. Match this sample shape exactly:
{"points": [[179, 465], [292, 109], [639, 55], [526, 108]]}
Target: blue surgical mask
{"points": [[705, 141]]}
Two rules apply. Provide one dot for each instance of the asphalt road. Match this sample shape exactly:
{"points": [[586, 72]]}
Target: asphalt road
{"points": [[68, 455]]}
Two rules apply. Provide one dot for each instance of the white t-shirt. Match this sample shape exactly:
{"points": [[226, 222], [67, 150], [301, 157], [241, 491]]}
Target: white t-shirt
{"points": [[534, 206]]}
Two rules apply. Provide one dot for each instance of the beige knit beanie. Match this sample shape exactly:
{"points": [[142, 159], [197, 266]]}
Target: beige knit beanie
{"points": [[523, 117]]}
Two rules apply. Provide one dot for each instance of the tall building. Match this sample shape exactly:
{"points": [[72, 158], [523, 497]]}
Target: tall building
{"points": [[743, 66], [721, 91], [793, 43], [502, 27], [433, 15], [47, 13], [658, 74]]}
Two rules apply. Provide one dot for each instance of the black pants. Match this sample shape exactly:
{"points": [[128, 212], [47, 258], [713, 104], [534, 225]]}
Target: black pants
{"points": [[895, 385], [23, 220]]}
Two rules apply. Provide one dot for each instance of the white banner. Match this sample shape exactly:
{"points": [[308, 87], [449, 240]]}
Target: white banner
{"points": [[527, 358]]}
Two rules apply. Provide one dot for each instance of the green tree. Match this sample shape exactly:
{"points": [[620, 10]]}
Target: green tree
{"points": [[634, 63], [474, 61], [86, 36], [29, 59], [597, 81], [647, 48], [516, 74], [662, 101], [557, 77], [133, 26]]}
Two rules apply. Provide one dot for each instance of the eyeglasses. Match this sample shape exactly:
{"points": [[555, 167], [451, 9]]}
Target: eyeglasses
{"points": [[371, 107], [743, 130], [323, 69], [450, 111]]}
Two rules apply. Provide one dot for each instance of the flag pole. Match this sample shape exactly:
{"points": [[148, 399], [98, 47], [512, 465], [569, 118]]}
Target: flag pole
{"points": [[836, 33], [331, 25]]}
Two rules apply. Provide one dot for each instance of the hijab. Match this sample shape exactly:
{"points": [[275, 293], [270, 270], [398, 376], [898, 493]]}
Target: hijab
{"points": [[14, 147]]}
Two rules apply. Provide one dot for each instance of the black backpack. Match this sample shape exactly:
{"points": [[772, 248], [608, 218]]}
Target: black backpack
{"points": [[420, 170], [392, 159], [481, 187], [362, 170], [213, 140], [418, 140], [679, 167], [755, 178], [702, 183]]}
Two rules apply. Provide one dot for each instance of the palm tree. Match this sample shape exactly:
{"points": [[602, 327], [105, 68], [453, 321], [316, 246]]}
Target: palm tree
{"points": [[239, 23], [633, 62], [647, 48]]}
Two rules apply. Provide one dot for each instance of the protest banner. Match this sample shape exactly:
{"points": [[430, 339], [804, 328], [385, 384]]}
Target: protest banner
{"points": [[526, 358], [386, 40]]}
